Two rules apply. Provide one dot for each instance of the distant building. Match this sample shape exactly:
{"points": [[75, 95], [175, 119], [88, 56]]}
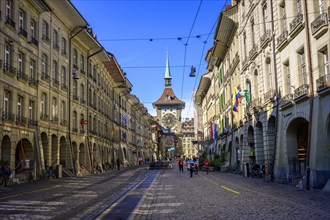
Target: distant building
{"points": [[169, 108], [189, 149]]}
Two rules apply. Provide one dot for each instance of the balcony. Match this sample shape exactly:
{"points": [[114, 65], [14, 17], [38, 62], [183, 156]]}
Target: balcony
{"points": [[301, 93], [56, 47], [22, 76], [287, 101], [269, 95], [45, 77], [63, 122], [82, 101], [10, 22], [64, 53], [253, 52], [82, 131], [255, 104], [282, 40], [55, 119], [75, 130], [32, 122], [45, 39], [323, 85], [296, 25], [75, 97], [56, 82], [22, 32], [64, 86], [34, 41], [20, 120], [7, 116], [82, 71], [265, 38], [10, 70], [33, 82], [320, 25], [44, 116]]}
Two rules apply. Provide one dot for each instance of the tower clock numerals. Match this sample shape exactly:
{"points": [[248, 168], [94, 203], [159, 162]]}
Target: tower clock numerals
{"points": [[168, 120]]}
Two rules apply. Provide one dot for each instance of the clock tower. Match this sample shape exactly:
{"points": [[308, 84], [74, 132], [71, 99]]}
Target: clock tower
{"points": [[168, 106]]}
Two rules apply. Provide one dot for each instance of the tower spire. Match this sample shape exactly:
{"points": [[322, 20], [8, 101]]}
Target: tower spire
{"points": [[168, 77]]}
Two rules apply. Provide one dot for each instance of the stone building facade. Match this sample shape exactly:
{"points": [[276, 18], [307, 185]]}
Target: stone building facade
{"points": [[64, 98], [283, 123]]}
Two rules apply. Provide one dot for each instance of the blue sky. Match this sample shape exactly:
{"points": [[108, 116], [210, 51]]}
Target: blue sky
{"points": [[125, 28]]}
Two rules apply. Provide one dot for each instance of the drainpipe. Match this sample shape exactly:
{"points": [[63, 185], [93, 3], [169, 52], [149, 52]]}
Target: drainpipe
{"points": [[311, 97], [276, 92]]}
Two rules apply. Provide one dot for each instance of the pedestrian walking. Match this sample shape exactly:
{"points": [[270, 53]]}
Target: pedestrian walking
{"points": [[190, 167], [196, 166], [118, 164], [180, 163], [207, 166]]}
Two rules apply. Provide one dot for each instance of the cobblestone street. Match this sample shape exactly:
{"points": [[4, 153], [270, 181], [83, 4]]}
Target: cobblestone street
{"points": [[137, 193], [176, 195]]}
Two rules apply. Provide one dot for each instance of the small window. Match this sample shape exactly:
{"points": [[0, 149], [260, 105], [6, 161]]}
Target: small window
{"points": [[45, 31]]}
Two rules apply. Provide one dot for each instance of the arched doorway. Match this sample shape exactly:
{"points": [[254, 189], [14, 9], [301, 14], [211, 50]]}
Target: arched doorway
{"points": [[24, 156], [64, 153], [82, 155], [75, 153], [251, 146], [54, 150], [125, 153], [237, 152], [259, 144], [96, 153], [296, 142], [45, 148], [6, 149], [270, 140]]}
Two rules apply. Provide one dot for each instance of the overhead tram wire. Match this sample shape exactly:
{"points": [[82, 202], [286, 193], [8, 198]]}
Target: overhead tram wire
{"points": [[186, 44], [202, 55], [152, 39]]}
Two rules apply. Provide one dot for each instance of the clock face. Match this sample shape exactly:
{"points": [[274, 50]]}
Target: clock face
{"points": [[168, 120]]}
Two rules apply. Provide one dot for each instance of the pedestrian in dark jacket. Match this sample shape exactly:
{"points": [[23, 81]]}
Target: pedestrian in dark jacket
{"points": [[118, 164]]}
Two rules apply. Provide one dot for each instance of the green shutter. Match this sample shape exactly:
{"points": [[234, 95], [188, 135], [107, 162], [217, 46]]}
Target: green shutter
{"points": [[220, 74]]}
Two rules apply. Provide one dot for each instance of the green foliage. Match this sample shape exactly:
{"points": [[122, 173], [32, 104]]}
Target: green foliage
{"points": [[202, 159], [327, 148], [223, 155], [212, 163]]}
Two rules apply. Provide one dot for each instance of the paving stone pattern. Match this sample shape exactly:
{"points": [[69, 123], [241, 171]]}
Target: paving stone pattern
{"points": [[175, 195]]}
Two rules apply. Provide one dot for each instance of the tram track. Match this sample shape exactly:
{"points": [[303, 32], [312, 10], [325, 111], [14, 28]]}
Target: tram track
{"points": [[113, 188], [123, 204]]}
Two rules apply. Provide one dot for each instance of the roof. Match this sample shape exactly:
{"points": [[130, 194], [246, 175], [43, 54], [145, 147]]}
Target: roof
{"points": [[167, 70], [168, 98]]}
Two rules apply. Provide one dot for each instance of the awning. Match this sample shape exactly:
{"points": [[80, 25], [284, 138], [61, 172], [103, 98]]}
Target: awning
{"points": [[203, 87], [223, 37]]}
